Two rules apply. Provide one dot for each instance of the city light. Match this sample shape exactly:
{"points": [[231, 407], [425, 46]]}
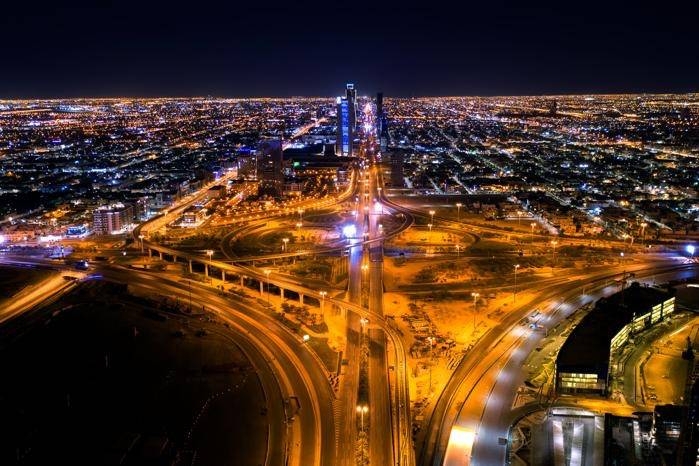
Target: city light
{"points": [[349, 231], [238, 176]]}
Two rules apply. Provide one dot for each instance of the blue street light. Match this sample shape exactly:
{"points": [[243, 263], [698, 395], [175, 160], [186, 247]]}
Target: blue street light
{"points": [[349, 231]]}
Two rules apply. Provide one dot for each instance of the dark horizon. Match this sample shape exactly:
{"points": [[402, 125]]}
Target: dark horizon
{"points": [[312, 49]]}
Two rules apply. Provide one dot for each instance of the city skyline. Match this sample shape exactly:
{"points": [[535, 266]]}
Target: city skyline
{"points": [[349, 279], [312, 234]]}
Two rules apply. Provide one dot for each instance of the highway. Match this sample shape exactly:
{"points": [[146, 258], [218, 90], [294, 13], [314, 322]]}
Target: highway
{"points": [[448, 406], [481, 389], [494, 417], [37, 294], [381, 451], [350, 381], [274, 348]]}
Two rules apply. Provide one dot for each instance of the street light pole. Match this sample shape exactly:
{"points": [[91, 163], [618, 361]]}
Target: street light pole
{"points": [[363, 321], [362, 410], [209, 253], [514, 296], [475, 304], [322, 302]]}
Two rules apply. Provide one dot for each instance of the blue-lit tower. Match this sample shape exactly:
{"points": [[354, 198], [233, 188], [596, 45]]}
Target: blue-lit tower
{"points": [[381, 123], [346, 120]]}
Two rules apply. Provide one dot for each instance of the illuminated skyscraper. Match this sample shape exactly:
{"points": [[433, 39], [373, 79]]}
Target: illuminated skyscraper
{"points": [[351, 95], [381, 124], [379, 112], [346, 118]]}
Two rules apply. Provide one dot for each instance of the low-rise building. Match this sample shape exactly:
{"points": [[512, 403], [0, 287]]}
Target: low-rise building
{"points": [[583, 363]]}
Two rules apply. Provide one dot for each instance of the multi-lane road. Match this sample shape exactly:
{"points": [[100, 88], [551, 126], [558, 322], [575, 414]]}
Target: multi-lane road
{"points": [[478, 398], [469, 422]]}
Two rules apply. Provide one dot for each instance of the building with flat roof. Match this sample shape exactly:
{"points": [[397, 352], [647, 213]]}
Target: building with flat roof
{"points": [[583, 363], [112, 219]]}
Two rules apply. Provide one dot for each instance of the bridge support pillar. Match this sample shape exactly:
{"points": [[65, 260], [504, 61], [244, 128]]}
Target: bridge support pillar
{"points": [[223, 276], [160, 253], [281, 293], [301, 299], [150, 253], [190, 266], [206, 270], [174, 259], [242, 280], [262, 288]]}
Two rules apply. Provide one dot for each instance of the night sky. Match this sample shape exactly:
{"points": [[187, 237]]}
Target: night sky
{"points": [[198, 48]]}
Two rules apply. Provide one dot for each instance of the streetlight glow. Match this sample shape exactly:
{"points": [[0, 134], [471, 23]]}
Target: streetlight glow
{"points": [[475, 304], [362, 410], [322, 300], [349, 231]]}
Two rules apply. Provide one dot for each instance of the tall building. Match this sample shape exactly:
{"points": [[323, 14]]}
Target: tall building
{"points": [[346, 120], [351, 95], [112, 219], [269, 166]]}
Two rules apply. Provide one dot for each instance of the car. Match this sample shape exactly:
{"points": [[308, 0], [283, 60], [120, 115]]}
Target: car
{"points": [[81, 265]]}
